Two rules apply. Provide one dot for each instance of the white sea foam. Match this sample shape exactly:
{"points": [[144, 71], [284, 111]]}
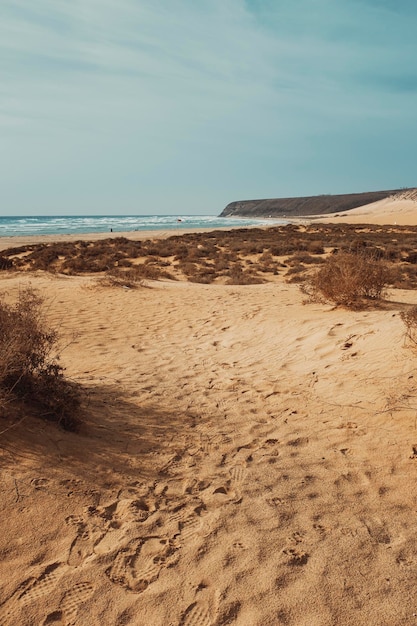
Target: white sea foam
{"points": [[55, 225]]}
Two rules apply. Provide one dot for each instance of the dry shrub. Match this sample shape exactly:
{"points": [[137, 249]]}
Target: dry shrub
{"points": [[127, 278], [304, 257], [411, 257], [349, 280], [410, 322], [188, 269], [205, 275], [5, 264], [150, 271], [238, 276], [29, 371], [296, 274], [315, 247], [404, 276], [222, 249]]}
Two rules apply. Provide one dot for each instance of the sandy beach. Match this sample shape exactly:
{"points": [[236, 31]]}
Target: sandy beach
{"points": [[134, 235], [244, 458]]}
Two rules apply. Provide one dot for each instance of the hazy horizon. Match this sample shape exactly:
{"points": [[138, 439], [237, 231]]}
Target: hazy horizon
{"points": [[157, 107]]}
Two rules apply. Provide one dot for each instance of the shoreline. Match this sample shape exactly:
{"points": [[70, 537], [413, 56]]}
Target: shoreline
{"points": [[14, 241], [402, 214]]}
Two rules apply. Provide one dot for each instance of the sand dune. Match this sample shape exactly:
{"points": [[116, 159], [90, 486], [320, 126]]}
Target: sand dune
{"points": [[401, 209], [245, 459]]}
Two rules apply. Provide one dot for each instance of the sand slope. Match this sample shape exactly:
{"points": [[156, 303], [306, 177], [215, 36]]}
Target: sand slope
{"points": [[246, 459], [401, 208]]}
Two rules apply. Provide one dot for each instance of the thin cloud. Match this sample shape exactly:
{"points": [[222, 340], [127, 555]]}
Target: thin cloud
{"points": [[115, 97]]}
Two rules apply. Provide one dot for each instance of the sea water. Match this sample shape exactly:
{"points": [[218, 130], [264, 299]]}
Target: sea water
{"points": [[73, 224]]}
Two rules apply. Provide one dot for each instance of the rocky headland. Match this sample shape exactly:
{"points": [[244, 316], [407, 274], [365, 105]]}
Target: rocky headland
{"points": [[309, 205]]}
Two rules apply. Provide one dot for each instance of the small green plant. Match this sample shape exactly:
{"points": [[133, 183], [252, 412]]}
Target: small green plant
{"points": [[29, 369]]}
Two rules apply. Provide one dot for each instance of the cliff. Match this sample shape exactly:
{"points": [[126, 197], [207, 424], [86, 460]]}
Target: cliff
{"points": [[308, 205]]}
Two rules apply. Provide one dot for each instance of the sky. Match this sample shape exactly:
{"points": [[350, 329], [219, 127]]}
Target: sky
{"points": [[149, 107]]}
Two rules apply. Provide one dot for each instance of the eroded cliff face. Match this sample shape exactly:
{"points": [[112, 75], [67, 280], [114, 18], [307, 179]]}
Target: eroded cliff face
{"points": [[309, 205]]}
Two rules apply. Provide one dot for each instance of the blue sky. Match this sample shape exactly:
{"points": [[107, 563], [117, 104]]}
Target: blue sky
{"points": [[182, 106]]}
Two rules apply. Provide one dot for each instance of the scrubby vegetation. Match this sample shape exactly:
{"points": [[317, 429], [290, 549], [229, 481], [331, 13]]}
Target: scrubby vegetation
{"points": [[119, 277], [30, 372], [349, 279], [237, 256]]}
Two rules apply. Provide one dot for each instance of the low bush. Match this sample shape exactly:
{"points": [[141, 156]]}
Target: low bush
{"points": [[29, 370], [238, 276], [409, 318], [5, 264], [117, 277], [315, 247], [304, 257], [296, 274], [349, 280], [304, 244]]}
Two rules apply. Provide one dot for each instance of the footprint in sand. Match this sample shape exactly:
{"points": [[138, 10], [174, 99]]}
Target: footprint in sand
{"points": [[54, 619], [72, 601], [137, 510], [43, 585], [29, 591], [83, 545], [40, 483], [321, 530], [139, 564], [294, 551], [178, 464], [9, 611], [110, 542], [296, 556], [202, 612], [212, 440], [102, 530], [196, 525], [233, 486], [298, 442], [238, 475], [274, 501], [237, 478], [377, 529]]}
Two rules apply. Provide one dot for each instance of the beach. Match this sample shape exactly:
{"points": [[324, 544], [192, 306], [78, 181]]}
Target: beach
{"points": [[133, 235], [245, 457]]}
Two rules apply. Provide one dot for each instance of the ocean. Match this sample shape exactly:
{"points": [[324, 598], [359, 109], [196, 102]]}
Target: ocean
{"points": [[72, 224]]}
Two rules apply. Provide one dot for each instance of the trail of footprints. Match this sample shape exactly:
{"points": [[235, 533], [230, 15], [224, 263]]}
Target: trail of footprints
{"points": [[35, 589], [133, 557], [139, 564]]}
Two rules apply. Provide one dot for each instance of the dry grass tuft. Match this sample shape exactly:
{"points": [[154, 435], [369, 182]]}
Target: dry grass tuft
{"points": [[409, 318], [29, 371], [349, 280], [126, 278]]}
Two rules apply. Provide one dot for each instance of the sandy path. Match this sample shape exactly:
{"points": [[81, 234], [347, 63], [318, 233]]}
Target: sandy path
{"points": [[245, 460]]}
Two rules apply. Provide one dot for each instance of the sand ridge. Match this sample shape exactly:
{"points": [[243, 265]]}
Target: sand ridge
{"points": [[245, 459], [401, 209]]}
